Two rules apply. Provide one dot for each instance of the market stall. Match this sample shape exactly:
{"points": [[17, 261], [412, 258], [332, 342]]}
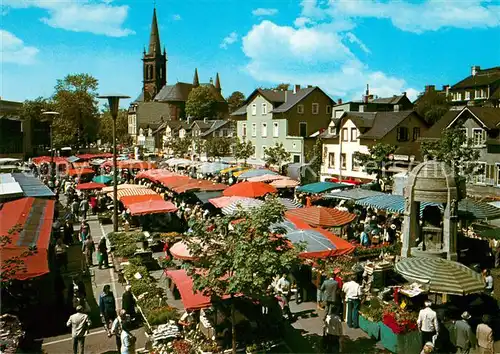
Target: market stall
{"points": [[90, 186], [321, 216], [147, 204], [320, 187], [249, 189]]}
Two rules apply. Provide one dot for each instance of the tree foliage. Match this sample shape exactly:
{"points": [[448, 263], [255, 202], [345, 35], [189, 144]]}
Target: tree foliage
{"points": [[376, 161], [179, 147], [432, 105], [75, 98], [201, 103], [276, 155], [106, 126], [239, 258], [242, 150], [279, 87], [218, 147], [454, 149], [32, 112], [235, 101], [315, 158]]}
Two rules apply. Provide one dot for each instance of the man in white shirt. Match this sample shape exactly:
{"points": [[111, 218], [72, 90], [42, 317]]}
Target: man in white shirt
{"points": [[427, 323], [353, 294], [80, 324], [488, 280]]}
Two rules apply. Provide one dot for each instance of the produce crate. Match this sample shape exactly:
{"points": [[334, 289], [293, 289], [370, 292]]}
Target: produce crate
{"points": [[369, 327], [408, 343]]}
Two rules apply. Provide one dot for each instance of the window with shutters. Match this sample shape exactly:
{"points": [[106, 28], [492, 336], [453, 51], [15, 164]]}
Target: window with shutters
{"points": [[402, 134], [331, 160], [264, 109], [416, 133], [254, 129]]}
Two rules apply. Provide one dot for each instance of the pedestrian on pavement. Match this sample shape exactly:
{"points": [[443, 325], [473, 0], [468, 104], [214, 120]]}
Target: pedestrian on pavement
{"points": [[353, 294], [60, 250], [332, 334], [75, 208], [80, 324], [330, 289], [428, 323], [128, 302], [116, 328], [84, 207], [464, 336], [284, 290], [84, 231], [103, 253], [88, 250], [484, 335], [127, 339], [68, 232], [107, 306], [488, 282]]}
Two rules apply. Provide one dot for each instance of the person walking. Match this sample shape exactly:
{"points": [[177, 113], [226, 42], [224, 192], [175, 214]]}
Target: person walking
{"points": [[116, 328], [464, 335], [68, 232], [88, 250], [284, 290], [80, 324], [330, 289], [60, 250], [84, 231], [103, 253], [488, 282], [353, 294], [75, 207], [84, 208], [332, 334], [127, 339], [128, 302], [484, 335], [427, 323], [107, 307]]}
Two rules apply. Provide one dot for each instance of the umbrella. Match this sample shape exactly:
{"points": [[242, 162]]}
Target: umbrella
{"points": [[249, 189], [266, 178], [233, 169], [90, 186], [442, 275], [289, 204], [479, 210], [254, 173], [123, 186], [245, 204], [180, 250], [73, 159], [320, 187], [284, 183], [321, 216], [222, 202], [212, 167], [102, 179]]}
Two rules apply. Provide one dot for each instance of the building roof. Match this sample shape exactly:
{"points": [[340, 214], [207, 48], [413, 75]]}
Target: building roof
{"points": [[293, 98], [242, 111], [173, 124], [180, 92], [389, 100], [217, 124], [385, 122], [10, 109], [482, 78], [360, 119], [440, 125], [489, 116], [152, 113]]}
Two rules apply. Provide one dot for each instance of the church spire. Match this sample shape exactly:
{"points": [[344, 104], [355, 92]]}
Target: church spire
{"points": [[217, 82], [154, 37], [196, 81]]}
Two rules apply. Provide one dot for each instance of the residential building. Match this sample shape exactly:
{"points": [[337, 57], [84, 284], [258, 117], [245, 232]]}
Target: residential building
{"points": [[358, 131], [170, 100], [289, 117], [167, 132], [480, 88], [208, 129], [482, 125]]}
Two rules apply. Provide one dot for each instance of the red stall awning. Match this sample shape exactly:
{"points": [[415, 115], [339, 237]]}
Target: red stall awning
{"points": [[147, 204]]}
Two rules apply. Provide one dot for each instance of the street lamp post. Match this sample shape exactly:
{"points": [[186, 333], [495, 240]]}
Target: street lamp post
{"points": [[113, 101], [51, 116]]}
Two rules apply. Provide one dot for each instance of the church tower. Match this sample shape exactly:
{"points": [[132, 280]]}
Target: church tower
{"points": [[154, 64]]}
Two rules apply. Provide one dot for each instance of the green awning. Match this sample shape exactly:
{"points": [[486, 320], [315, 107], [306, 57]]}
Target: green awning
{"points": [[478, 210], [321, 187]]}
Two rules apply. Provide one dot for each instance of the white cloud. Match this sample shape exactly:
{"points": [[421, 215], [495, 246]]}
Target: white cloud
{"points": [[264, 12], [176, 17], [14, 50], [302, 22], [229, 39], [94, 16], [351, 37]]}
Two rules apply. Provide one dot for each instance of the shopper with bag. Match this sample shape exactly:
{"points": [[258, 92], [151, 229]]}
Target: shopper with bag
{"points": [[128, 339]]}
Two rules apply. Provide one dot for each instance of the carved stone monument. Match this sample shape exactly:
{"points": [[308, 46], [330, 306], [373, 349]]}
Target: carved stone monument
{"points": [[433, 232]]}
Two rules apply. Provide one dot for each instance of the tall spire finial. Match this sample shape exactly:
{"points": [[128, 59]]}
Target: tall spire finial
{"points": [[196, 81], [154, 37], [217, 82]]}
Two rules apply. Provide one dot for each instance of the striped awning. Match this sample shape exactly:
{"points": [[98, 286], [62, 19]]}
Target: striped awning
{"points": [[441, 275], [290, 204], [133, 191], [352, 194], [244, 203], [123, 186], [478, 210], [390, 202]]}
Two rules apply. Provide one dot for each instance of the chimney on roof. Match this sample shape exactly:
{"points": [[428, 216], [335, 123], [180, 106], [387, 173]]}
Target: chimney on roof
{"points": [[286, 95], [404, 93], [475, 69], [430, 88], [339, 101], [296, 89], [309, 86], [367, 94], [446, 89]]}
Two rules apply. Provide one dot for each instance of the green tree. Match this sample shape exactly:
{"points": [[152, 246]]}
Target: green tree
{"points": [[242, 150], [201, 103], [218, 147], [315, 159], [239, 258], [376, 161], [106, 126], [235, 101], [276, 155], [75, 98], [179, 147], [199, 145], [32, 112], [280, 87], [432, 105], [454, 149]]}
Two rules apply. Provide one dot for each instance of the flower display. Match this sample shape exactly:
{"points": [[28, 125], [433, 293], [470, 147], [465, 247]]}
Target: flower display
{"points": [[398, 320]]}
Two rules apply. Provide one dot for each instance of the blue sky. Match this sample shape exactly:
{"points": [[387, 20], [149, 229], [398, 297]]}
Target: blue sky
{"points": [[338, 45]]}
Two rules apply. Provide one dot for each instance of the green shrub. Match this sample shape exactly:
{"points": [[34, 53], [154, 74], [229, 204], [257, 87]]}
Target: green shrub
{"points": [[162, 315]]}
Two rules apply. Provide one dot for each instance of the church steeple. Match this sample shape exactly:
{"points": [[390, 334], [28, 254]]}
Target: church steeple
{"points": [[154, 37], [217, 82], [196, 81]]}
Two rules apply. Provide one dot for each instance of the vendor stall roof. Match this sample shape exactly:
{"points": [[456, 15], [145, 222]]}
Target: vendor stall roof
{"points": [[390, 202], [322, 216], [254, 173], [148, 206], [90, 186], [32, 186], [123, 186], [320, 187], [8, 161], [10, 190], [352, 194], [132, 192], [73, 159], [478, 210], [222, 202], [205, 196], [249, 189]]}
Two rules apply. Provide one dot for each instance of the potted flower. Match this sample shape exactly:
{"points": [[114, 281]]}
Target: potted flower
{"points": [[252, 348], [399, 331]]}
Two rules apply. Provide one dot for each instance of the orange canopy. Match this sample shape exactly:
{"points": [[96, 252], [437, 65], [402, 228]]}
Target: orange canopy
{"points": [[46, 159], [147, 204], [249, 189], [154, 174], [133, 192], [133, 164], [199, 184], [81, 164], [173, 181], [321, 216], [80, 172], [90, 185]]}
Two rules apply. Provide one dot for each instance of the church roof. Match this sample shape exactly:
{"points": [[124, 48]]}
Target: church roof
{"points": [[180, 92], [152, 113]]}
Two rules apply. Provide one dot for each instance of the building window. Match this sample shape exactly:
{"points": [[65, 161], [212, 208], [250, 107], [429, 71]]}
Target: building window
{"points": [[303, 129], [480, 172], [480, 93], [345, 134], [331, 160], [300, 109], [396, 108], [296, 158], [343, 161], [315, 108], [264, 130], [361, 108], [467, 95], [328, 109], [331, 129], [254, 129], [354, 134], [402, 134], [416, 133], [254, 109], [263, 154], [264, 109], [355, 163], [276, 129], [478, 136], [244, 129]]}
